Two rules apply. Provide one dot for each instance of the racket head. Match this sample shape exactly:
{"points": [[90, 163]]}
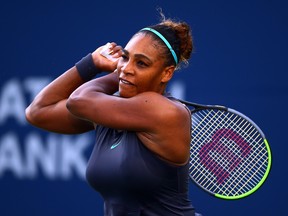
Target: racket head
{"points": [[230, 157]]}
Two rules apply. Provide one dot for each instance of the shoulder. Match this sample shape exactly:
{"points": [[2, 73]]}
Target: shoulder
{"points": [[164, 113], [157, 100], [162, 108]]}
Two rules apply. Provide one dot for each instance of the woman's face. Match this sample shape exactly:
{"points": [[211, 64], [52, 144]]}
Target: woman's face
{"points": [[141, 68]]}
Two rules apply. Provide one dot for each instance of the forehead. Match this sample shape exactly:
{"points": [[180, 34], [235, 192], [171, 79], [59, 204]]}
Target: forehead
{"points": [[142, 43]]}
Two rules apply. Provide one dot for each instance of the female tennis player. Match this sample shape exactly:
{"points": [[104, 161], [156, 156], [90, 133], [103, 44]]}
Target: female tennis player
{"points": [[139, 163]]}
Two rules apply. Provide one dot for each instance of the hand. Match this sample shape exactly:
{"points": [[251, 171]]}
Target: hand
{"points": [[106, 57]]}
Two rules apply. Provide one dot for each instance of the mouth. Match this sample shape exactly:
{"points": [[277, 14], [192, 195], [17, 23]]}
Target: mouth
{"points": [[126, 82]]}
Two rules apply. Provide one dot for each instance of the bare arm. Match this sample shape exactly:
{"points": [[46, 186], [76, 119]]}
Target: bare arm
{"points": [[48, 110]]}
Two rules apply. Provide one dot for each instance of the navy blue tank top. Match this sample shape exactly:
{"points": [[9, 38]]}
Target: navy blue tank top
{"points": [[134, 181]]}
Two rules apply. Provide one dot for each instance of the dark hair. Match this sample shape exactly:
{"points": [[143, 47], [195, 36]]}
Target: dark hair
{"points": [[179, 35]]}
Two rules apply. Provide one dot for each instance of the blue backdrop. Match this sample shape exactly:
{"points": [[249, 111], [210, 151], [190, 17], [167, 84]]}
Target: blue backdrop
{"points": [[240, 60]]}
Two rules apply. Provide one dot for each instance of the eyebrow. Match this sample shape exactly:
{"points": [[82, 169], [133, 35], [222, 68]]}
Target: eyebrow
{"points": [[139, 55]]}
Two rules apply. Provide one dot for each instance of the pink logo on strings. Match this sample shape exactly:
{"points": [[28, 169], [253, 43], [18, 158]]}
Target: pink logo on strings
{"points": [[231, 158]]}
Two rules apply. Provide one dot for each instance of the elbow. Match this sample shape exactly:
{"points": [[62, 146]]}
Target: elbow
{"points": [[73, 103], [28, 115], [33, 114], [78, 105], [70, 103], [37, 113]]}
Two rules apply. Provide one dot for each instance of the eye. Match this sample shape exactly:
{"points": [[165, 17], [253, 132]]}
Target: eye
{"points": [[142, 63], [124, 57]]}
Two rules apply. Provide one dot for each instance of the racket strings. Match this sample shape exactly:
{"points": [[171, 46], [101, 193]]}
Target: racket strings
{"points": [[223, 160], [228, 165], [247, 182], [228, 159], [255, 177]]}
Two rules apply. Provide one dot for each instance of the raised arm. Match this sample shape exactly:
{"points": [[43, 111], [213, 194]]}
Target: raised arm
{"points": [[48, 110]]}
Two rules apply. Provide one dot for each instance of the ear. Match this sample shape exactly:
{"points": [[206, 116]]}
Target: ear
{"points": [[167, 74]]}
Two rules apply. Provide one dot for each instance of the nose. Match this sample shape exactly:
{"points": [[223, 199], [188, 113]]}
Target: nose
{"points": [[127, 68]]}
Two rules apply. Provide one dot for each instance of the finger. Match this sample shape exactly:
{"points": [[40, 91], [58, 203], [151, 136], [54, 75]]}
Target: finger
{"points": [[116, 49], [117, 52], [111, 45]]}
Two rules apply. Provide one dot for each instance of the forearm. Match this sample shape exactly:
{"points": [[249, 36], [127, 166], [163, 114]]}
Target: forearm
{"points": [[48, 110], [49, 106], [84, 70], [58, 89], [64, 85]]}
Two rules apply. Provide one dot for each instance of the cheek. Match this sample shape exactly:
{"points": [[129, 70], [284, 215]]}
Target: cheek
{"points": [[149, 83]]}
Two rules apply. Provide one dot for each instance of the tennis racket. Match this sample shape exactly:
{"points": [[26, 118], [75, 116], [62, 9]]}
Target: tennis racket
{"points": [[230, 157]]}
